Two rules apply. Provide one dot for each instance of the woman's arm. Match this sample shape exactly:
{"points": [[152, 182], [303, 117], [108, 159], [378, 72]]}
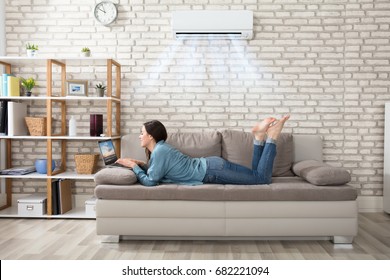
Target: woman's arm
{"points": [[144, 177], [155, 172], [129, 162]]}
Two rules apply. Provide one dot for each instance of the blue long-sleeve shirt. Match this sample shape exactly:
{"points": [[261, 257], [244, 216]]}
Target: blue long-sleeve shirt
{"points": [[168, 165]]}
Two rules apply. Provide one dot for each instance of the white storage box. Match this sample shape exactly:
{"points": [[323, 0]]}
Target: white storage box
{"points": [[90, 207], [32, 205]]}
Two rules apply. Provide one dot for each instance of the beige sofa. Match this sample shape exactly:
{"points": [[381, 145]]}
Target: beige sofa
{"points": [[289, 208]]}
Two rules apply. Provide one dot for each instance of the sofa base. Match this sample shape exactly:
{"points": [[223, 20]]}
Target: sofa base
{"points": [[334, 239], [227, 220], [342, 239]]}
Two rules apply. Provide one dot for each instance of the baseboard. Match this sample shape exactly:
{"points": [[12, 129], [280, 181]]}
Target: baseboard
{"points": [[370, 203]]}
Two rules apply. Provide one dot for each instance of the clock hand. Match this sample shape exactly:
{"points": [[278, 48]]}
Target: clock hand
{"points": [[102, 10]]}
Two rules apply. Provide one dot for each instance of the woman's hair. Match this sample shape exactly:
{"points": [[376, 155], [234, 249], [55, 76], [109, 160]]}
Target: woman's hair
{"points": [[158, 132]]}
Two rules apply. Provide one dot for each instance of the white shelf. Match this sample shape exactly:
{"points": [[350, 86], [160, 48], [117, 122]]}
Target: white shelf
{"points": [[41, 60], [104, 98], [72, 175], [63, 175], [75, 213], [26, 137], [60, 98]]}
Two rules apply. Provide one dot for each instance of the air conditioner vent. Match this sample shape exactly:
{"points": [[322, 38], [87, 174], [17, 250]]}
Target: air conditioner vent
{"points": [[206, 24]]}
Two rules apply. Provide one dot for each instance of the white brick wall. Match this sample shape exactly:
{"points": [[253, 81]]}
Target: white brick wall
{"points": [[2, 27], [326, 62]]}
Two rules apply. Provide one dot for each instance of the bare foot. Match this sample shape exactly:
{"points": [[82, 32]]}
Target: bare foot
{"points": [[275, 129], [260, 129]]}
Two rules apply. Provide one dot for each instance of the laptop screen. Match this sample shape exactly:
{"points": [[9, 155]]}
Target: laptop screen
{"points": [[107, 151]]}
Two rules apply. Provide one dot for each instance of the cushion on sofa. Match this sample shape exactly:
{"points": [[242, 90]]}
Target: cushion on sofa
{"points": [[115, 176], [237, 147], [321, 174], [202, 144]]}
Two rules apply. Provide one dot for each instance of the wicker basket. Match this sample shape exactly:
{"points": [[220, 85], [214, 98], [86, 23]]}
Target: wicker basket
{"points": [[86, 163], [36, 126]]}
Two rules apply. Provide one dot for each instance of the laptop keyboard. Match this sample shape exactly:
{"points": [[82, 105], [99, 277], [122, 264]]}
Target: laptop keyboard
{"points": [[119, 165]]}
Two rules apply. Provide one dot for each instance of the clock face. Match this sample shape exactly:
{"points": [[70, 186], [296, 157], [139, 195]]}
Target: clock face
{"points": [[105, 12]]}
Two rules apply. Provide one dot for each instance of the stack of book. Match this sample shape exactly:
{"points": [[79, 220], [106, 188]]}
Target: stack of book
{"points": [[12, 116], [61, 196], [18, 170], [9, 85]]}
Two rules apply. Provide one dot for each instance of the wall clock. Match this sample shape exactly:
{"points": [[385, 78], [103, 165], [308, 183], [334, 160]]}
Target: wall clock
{"points": [[105, 12]]}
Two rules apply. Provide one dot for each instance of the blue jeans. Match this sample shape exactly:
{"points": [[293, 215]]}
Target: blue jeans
{"points": [[221, 171]]}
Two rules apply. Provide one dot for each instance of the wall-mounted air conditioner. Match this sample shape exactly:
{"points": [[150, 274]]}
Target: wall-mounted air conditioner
{"points": [[206, 24]]}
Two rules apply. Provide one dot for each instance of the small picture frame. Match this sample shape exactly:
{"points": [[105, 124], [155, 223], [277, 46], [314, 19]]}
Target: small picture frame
{"points": [[77, 88]]}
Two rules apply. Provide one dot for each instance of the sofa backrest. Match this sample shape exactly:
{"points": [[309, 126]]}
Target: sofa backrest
{"points": [[307, 147], [203, 144], [130, 147], [193, 144], [235, 146]]}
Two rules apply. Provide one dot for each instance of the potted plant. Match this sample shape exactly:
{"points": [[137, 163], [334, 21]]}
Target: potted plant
{"points": [[100, 89], [85, 52], [32, 50], [28, 84]]}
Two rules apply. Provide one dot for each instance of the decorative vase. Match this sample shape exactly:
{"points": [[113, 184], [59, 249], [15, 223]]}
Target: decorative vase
{"points": [[86, 54], [41, 165], [96, 125], [72, 126], [100, 92], [32, 53]]}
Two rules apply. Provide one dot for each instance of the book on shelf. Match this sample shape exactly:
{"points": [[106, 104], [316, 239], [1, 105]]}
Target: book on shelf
{"points": [[5, 84], [3, 117], [64, 195], [12, 122], [61, 196], [13, 84], [54, 197], [1, 85], [16, 123], [18, 170]]}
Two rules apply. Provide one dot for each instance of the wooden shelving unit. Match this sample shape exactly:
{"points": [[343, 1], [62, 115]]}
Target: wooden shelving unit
{"points": [[112, 99]]}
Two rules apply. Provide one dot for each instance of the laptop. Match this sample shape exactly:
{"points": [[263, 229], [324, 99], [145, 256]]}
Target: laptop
{"points": [[107, 150]]}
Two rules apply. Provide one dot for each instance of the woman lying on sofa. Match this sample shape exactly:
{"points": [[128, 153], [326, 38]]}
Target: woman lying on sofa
{"points": [[168, 165]]}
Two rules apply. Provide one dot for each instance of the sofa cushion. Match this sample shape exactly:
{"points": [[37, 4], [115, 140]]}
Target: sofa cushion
{"points": [[237, 147], [321, 174], [202, 144], [281, 189], [115, 176]]}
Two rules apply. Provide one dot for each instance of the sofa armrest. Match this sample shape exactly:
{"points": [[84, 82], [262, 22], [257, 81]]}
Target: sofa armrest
{"points": [[321, 174]]}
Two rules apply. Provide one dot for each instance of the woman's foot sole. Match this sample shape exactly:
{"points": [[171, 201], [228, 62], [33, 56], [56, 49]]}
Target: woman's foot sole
{"points": [[260, 129], [275, 128]]}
